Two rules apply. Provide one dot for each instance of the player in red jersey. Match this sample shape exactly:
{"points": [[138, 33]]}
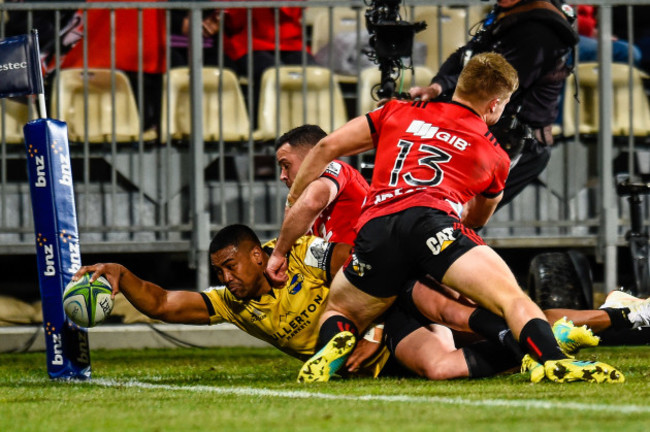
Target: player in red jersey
{"points": [[329, 207], [438, 171]]}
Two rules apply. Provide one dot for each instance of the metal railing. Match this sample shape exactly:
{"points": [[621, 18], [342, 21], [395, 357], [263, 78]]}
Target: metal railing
{"points": [[153, 194]]}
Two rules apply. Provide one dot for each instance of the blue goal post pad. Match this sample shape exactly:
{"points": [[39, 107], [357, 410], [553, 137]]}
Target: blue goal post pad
{"points": [[57, 244]]}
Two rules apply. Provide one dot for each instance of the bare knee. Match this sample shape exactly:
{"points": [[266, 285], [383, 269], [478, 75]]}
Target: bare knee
{"points": [[441, 369]]}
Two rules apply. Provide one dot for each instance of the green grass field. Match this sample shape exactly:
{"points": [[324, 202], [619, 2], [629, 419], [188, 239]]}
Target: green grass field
{"points": [[255, 390]]}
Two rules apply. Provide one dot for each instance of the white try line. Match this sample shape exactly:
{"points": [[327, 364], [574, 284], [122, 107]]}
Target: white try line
{"points": [[257, 392]]}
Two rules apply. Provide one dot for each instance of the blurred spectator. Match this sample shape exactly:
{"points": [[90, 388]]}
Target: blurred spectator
{"points": [[180, 25], [292, 41], [588, 45], [126, 50]]}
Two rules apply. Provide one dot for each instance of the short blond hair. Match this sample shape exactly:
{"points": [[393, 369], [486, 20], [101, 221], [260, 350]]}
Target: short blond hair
{"points": [[485, 77]]}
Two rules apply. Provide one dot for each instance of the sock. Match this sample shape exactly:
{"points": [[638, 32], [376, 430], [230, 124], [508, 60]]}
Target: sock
{"points": [[618, 317], [333, 326], [537, 338], [487, 358], [494, 328]]}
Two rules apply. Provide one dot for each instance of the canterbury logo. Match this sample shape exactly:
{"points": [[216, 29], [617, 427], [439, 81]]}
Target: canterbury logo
{"points": [[427, 131]]}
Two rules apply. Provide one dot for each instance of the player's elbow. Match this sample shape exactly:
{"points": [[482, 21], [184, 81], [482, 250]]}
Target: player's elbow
{"points": [[314, 203]]}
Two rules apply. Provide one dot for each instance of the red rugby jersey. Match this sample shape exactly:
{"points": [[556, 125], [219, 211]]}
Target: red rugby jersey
{"points": [[431, 154], [337, 222], [126, 40], [264, 29]]}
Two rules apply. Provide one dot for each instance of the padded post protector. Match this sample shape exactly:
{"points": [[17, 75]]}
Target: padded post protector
{"points": [[57, 244]]}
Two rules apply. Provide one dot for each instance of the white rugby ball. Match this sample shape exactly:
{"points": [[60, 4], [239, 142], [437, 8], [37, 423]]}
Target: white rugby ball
{"points": [[88, 304]]}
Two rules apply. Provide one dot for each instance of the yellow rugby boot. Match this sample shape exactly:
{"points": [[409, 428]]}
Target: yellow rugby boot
{"points": [[537, 373], [571, 338], [570, 370], [322, 365]]}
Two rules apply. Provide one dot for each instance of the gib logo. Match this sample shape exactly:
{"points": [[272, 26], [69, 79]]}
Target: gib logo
{"points": [[13, 66], [39, 160], [48, 251], [64, 163], [73, 248], [57, 344]]}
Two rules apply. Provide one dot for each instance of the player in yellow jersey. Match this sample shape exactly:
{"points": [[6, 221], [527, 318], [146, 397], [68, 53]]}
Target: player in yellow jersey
{"points": [[287, 317]]}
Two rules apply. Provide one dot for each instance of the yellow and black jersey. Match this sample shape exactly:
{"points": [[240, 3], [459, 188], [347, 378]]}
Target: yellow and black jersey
{"points": [[287, 317]]}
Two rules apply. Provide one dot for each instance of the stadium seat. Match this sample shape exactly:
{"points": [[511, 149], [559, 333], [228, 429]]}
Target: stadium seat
{"points": [[588, 121], [344, 21], [220, 88], [371, 77], [13, 116], [298, 96], [70, 83], [454, 32]]}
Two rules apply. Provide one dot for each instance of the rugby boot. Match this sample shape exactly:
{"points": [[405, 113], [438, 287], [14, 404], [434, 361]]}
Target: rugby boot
{"points": [[528, 364], [570, 370], [322, 365], [619, 299], [639, 309], [571, 338]]}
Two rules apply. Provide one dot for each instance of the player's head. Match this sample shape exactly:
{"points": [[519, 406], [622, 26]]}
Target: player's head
{"points": [[292, 147], [238, 259], [486, 83], [507, 3]]}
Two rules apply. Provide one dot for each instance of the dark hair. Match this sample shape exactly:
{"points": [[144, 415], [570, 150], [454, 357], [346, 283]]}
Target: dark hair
{"points": [[301, 135], [233, 235]]}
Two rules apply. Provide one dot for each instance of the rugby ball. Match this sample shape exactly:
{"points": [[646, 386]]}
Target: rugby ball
{"points": [[88, 303]]}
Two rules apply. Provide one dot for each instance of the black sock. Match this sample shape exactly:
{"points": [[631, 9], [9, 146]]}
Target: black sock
{"points": [[618, 317], [333, 326], [494, 328], [537, 338], [487, 358]]}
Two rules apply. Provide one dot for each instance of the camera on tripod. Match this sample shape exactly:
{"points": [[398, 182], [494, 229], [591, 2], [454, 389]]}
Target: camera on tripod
{"points": [[391, 40]]}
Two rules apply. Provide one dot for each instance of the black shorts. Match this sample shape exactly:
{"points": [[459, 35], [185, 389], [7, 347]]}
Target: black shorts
{"points": [[391, 250], [402, 319]]}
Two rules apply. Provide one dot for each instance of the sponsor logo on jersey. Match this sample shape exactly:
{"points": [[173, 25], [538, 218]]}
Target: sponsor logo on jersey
{"points": [[360, 268], [256, 314], [296, 284], [317, 253], [441, 240], [334, 168], [397, 192], [289, 329], [426, 130]]}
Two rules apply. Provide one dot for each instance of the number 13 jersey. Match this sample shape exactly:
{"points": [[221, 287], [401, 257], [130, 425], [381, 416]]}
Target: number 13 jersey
{"points": [[431, 154]]}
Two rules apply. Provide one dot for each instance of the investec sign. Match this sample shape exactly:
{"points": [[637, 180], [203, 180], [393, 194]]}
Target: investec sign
{"points": [[13, 66]]}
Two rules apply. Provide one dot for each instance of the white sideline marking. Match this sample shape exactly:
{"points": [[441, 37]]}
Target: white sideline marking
{"points": [[508, 403]]}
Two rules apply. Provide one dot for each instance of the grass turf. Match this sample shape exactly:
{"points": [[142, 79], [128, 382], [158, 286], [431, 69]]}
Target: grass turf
{"points": [[255, 389]]}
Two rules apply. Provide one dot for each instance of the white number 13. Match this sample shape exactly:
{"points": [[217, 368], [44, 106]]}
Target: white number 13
{"points": [[438, 156]]}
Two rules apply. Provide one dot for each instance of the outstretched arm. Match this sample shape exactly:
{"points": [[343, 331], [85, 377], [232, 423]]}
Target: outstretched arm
{"points": [[185, 307]]}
